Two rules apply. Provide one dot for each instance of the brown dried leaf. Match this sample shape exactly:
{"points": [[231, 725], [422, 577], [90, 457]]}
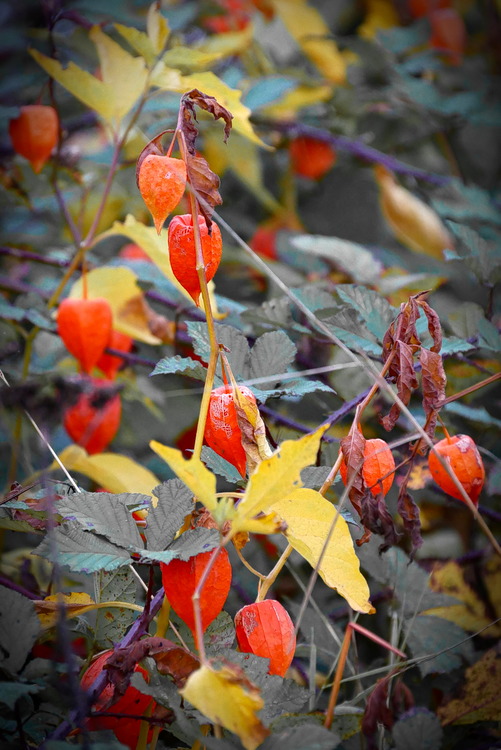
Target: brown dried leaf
{"points": [[200, 176], [205, 182], [121, 663], [353, 446], [177, 663], [377, 711], [188, 115], [410, 516], [138, 312], [376, 518], [433, 382], [253, 430], [434, 326], [406, 381]]}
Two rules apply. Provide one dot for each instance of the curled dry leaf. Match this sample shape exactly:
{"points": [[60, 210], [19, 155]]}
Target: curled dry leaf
{"points": [[200, 176]]}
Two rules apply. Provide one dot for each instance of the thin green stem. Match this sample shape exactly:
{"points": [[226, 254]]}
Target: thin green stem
{"points": [[270, 579]]}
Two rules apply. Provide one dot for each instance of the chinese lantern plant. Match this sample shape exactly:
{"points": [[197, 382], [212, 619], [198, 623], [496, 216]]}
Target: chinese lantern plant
{"points": [[266, 629], [34, 133], [85, 326], [132, 702], [311, 157], [378, 469], [91, 424], [109, 364], [461, 455], [161, 182], [180, 579], [182, 252], [222, 432]]}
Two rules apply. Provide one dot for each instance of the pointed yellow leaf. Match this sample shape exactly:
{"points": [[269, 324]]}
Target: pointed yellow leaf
{"points": [[111, 471], [210, 84], [189, 59], [292, 101], [278, 476], [306, 25], [271, 523], [119, 286], [413, 222], [157, 28], [229, 43], [241, 156], [156, 247], [124, 74], [84, 86], [74, 604], [309, 517], [138, 40], [192, 472], [227, 698]]}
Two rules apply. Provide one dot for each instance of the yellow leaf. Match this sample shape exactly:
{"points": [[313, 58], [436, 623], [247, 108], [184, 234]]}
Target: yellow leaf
{"points": [[111, 471], [278, 476], [241, 156], [189, 58], [228, 43], [306, 25], [471, 614], [381, 14], [124, 74], [138, 40], [414, 223], [157, 28], [309, 517], [119, 286], [74, 604], [192, 472], [227, 698], [210, 84], [481, 697], [156, 247], [84, 86], [299, 98]]}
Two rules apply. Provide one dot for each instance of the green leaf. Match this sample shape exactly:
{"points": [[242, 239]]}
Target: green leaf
{"points": [[106, 514], [291, 388], [346, 325], [472, 413], [19, 629], [175, 502], [180, 366], [112, 624], [82, 551], [194, 541], [454, 345], [427, 634], [11, 312], [350, 257], [230, 337], [417, 729], [468, 202], [375, 310], [271, 354], [219, 465], [10, 692]]}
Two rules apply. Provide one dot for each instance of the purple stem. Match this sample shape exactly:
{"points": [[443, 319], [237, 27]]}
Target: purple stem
{"points": [[355, 147], [139, 627], [16, 252], [20, 589]]}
